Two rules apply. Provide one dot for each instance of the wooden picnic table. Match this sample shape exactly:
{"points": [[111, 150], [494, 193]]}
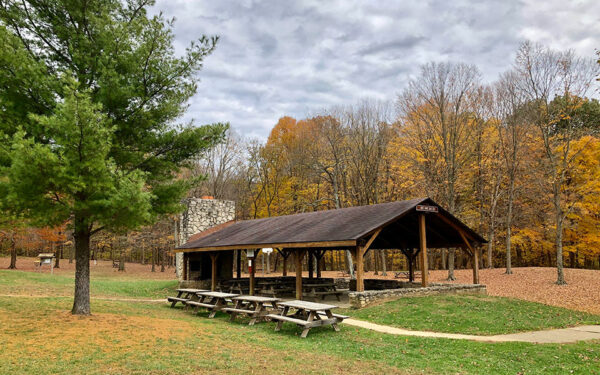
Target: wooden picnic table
{"points": [[323, 290], [184, 295], [319, 285], [256, 307], [274, 288], [213, 301], [307, 315], [241, 286]]}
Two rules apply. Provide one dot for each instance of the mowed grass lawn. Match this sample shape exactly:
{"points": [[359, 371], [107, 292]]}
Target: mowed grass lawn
{"points": [[478, 315], [39, 336], [16, 282]]}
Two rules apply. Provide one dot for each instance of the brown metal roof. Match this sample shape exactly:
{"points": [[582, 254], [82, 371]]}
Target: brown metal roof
{"points": [[337, 229]]}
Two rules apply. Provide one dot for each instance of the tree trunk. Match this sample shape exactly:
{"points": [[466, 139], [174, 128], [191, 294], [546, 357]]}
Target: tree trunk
{"points": [[319, 265], [490, 248], [508, 228], [383, 265], [162, 260], [350, 265], [444, 259], [451, 276], [81, 302], [411, 267], [559, 249], [268, 263], [276, 262], [13, 253], [58, 256], [374, 261], [153, 260]]}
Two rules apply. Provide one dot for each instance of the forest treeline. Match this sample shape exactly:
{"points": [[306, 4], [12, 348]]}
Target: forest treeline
{"points": [[517, 159]]}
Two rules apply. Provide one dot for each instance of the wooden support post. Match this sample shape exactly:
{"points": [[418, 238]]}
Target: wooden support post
{"points": [[311, 264], [359, 256], [284, 272], [185, 266], [359, 261], [239, 264], [410, 255], [213, 275], [423, 255], [411, 268], [475, 260], [251, 273], [299, 254], [284, 254], [474, 253], [319, 256]]}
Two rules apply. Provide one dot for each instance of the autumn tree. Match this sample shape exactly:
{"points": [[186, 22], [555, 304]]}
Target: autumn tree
{"points": [[512, 127], [93, 92], [582, 187], [369, 132], [221, 166], [544, 75], [436, 110]]}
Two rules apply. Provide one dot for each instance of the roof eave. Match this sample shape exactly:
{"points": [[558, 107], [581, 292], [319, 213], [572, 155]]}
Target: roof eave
{"points": [[286, 245]]}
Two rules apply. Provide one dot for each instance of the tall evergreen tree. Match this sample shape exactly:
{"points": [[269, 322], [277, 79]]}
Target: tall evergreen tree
{"points": [[91, 95]]}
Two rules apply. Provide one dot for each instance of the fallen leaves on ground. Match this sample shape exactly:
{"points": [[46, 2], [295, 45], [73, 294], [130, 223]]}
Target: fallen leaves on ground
{"points": [[536, 284]]}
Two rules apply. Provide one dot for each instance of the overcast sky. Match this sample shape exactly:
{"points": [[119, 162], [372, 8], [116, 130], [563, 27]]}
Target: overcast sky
{"points": [[294, 58]]}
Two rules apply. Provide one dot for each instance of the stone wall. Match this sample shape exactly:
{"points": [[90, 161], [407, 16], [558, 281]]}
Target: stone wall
{"points": [[369, 297], [381, 284], [199, 215]]}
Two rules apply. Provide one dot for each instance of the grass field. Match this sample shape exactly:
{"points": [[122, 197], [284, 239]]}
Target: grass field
{"points": [[478, 315], [44, 284], [39, 336]]}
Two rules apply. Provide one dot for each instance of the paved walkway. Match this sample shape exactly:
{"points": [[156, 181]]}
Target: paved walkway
{"points": [[556, 336]]}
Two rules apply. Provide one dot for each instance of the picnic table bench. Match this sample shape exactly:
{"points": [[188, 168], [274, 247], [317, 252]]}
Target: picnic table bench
{"points": [[406, 274], [238, 286], [274, 288], [184, 296], [256, 307], [323, 290], [213, 301], [307, 315]]}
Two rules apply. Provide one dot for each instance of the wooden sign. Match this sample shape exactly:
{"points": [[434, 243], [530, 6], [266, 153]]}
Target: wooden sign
{"points": [[425, 208]]}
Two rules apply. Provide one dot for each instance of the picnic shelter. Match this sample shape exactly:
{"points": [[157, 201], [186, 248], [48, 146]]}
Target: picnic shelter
{"points": [[412, 226]]}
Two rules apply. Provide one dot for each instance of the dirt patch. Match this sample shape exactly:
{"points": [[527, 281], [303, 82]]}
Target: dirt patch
{"points": [[106, 332]]}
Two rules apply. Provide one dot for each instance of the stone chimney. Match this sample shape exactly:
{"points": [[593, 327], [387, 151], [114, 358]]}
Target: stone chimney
{"points": [[199, 215]]}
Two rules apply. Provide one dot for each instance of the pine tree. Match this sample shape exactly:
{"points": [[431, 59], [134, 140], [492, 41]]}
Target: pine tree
{"points": [[92, 92]]}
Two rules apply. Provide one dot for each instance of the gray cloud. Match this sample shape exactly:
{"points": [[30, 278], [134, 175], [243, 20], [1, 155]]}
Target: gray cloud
{"points": [[279, 58]]}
